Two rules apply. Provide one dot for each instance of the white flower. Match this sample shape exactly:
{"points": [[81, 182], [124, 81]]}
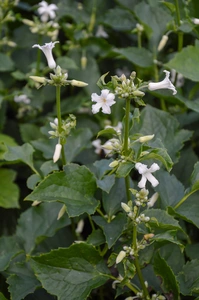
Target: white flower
{"points": [[195, 21], [46, 11], [22, 98], [101, 32], [146, 174], [104, 101], [47, 50], [57, 152], [97, 145], [117, 128], [164, 84]]}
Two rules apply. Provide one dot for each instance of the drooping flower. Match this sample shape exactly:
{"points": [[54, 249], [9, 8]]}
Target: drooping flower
{"points": [[46, 11], [164, 84], [146, 174], [104, 101], [47, 50], [57, 152]]}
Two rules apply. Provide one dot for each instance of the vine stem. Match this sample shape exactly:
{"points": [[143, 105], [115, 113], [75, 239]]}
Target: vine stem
{"points": [[58, 104]]}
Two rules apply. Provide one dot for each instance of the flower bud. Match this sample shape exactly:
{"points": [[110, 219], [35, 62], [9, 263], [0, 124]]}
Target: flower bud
{"points": [[83, 62], [113, 164], [152, 200], [120, 256], [38, 79], [36, 202], [61, 212], [57, 153], [162, 42], [138, 93], [78, 83], [148, 236], [146, 138], [125, 207]]}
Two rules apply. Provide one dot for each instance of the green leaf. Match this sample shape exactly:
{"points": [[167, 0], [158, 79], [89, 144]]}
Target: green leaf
{"points": [[74, 187], [77, 141], [6, 63], [104, 182], [5, 140], [165, 127], [22, 153], [124, 169], [189, 278], [96, 238], [192, 251], [32, 181], [30, 132], [9, 248], [39, 222], [71, 273], [162, 220], [169, 283], [124, 21], [140, 57], [22, 282], [112, 229], [174, 257], [170, 190], [66, 63], [168, 236], [107, 131], [112, 201], [186, 62], [9, 196], [2, 297]]}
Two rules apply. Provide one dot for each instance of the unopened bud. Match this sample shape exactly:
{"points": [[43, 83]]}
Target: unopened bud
{"points": [[152, 200], [78, 83], [138, 93], [120, 256], [36, 202], [57, 153], [113, 164], [163, 42], [38, 79], [125, 207], [146, 138], [83, 62], [61, 212], [148, 236], [28, 22], [80, 226]]}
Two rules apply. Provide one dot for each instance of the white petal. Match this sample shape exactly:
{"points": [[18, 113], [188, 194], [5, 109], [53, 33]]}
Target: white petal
{"points": [[96, 107], [106, 109], [152, 179], [154, 167], [142, 182]]}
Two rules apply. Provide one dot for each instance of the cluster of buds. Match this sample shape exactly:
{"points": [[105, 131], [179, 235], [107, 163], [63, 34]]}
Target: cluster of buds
{"points": [[126, 88], [112, 146], [124, 253], [141, 197], [65, 127], [50, 29], [60, 78], [142, 219]]}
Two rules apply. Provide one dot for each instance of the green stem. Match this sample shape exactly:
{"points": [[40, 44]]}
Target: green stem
{"points": [[139, 40], [38, 56], [180, 33], [92, 18], [58, 104], [137, 265], [126, 137]]}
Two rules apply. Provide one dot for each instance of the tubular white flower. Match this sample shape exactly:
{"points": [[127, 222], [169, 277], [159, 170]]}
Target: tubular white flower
{"points": [[164, 84], [46, 11], [146, 174], [47, 50], [104, 101], [57, 153]]}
